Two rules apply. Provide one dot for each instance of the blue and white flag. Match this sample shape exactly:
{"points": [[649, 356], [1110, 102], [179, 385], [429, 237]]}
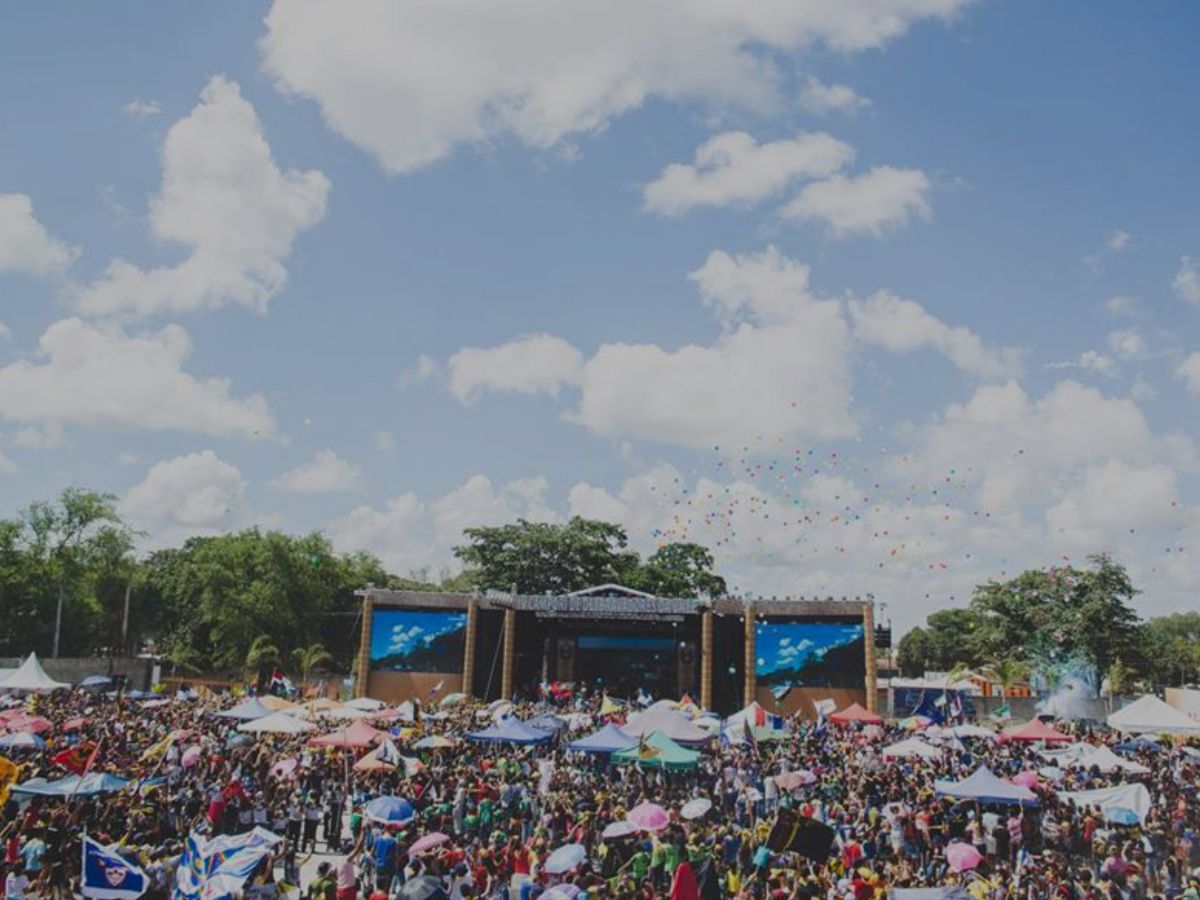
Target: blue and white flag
{"points": [[108, 876]]}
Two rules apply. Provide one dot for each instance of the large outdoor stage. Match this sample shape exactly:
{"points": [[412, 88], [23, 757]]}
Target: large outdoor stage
{"points": [[787, 654]]}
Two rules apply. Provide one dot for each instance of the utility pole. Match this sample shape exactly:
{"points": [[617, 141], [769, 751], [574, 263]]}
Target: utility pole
{"points": [[57, 620], [125, 619]]}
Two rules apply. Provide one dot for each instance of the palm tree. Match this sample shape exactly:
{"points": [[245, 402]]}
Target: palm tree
{"points": [[262, 655], [1007, 672], [310, 659], [1118, 678]]}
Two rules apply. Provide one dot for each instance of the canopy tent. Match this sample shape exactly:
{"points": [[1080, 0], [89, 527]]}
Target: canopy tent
{"points": [[247, 710], [657, 751], [30, 676], [756, 716], [1106, 761], [608, 739], [855, 713], [1035, 730], [972, 731], [1133, 797], [509, 731], [912, 748], [347, 713], [1149, 715], [367, 704], [547, 722], [73, 785], [277, 723], [275, 704], [669, 722], [985, 787], [311, 709], [357, 734]]}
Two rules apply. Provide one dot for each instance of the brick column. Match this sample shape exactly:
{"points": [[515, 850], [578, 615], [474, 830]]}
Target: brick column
{"points": [[750, 680], [869, 652], [364, 648], [469, 645], [510, 643], [706, 660]]}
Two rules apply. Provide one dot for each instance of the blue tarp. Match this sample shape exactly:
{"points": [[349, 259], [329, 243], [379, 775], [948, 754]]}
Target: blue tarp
{"points": [[95, 783], [509, 731], [608, 739]]}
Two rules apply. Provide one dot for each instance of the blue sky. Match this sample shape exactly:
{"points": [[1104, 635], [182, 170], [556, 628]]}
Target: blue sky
{"points": [[791, 645], [401, 631], [886, 297]]}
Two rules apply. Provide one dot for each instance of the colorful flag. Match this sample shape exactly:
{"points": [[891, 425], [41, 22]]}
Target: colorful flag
{"points": [[9, 771], [154, 751], [76, 760], [748, 734], [107, 876], [794, 833], [1003, 711]]}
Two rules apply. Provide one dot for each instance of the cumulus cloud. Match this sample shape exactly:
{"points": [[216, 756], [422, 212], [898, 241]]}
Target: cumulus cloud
{"points": [[820, 98], [1186, 283], [873, 203], [903, 325], [197, 493], [1128, 343], [325, 473], [138, 108], [537, 364], [100, 377], [1089, 361], [223, 197], [733, 169], [544, 73], [26, 247], [1122, 307], [1189, 371], [1118, 240]]}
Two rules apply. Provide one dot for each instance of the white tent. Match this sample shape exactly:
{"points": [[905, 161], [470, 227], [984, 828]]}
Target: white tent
{"points": [[277, 723], [1134, 797], [985, 787], [1106, 761], [31, 677], [1149, 715], [912, 748], [367, 704], [346, 713], [670, 722], [247, 710], [971, 731]]}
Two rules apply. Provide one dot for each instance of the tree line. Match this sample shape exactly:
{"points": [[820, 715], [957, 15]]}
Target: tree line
{"points": [[245, 602], [1056, 620]]}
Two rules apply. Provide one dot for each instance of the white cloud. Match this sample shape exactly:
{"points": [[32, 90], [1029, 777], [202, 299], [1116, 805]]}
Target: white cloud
{"points": [[409, 533], [1110, 499], [873, 203], [197, 493], [325, 473], [34, 437], [26, 247], [222, 196], [385, 442], [1118, 240], [1189, 371], [141, 109], [7, 466], [1128, 343], [102, 378], [537, 364], [733, 169], [425, 369], [1121, 306], [5, 332], [593, 502], [820, 99], [410, 82], [902, 326], [1186, 283], [1089, 361], [130, 458]]}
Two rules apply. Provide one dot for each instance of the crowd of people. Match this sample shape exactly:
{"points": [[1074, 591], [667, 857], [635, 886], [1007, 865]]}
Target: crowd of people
{"points": [[486, 818]]}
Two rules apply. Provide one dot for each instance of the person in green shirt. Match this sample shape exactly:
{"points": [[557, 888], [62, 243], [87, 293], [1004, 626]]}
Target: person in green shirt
{"points": [[638, 865], [670, 852]]}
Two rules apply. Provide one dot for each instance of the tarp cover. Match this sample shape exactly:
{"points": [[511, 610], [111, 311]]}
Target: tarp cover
{"points": [[247, 710], [277, 723], [1134, 797], [855, 713], [509, 731], [669, 722], [31, 677], [913, 748], [657, 751], [1149, 715], [985, 787], [608, 739]]}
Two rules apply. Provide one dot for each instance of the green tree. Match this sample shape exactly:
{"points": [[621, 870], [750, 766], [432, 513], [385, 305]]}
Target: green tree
{"points": [[537, 557], [1171, 648], [311, 659], [948, 638], [679, 570], [261, 658], [1008, 671]]}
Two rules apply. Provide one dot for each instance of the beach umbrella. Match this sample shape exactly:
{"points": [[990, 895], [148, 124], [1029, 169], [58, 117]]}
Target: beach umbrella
{"points": [[367, 703], [1026, 779], [32, 724], [21, 741], [791, 781], [694, 809], [620, 829], [1121, 815], [649, 817], [190, 756], [73, 724], [390, 811], [347, 713], [565, 859], [1054, 773], [424, 844], [285, 768], [423, 887], [560, 892], [452, 699], [962, 857]]}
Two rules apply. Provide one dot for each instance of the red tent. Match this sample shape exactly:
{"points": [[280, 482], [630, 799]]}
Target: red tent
{"points": [[1035, 730], [855, 713], [357, 734]]}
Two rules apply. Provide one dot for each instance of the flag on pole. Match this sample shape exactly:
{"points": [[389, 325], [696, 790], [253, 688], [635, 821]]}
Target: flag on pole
{"points": [[1004, 711], [794, 833], [158, 749], [107, 876], [748, 734], [9, 771], [77, 760]]}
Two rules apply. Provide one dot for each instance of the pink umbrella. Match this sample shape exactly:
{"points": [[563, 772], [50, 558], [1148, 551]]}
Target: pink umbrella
{"points": [[190, 757], [429, 842], [1026, 779], [649, 817], [285, 768], [962, 857], [790, 781]]}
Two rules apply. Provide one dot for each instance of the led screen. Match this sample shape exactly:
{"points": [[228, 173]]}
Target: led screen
{"points": [[810, 654], [407, 640]]}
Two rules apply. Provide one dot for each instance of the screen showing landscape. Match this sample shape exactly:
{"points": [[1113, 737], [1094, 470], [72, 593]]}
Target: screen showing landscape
{"points": [[810, 654], [407, 640]]}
